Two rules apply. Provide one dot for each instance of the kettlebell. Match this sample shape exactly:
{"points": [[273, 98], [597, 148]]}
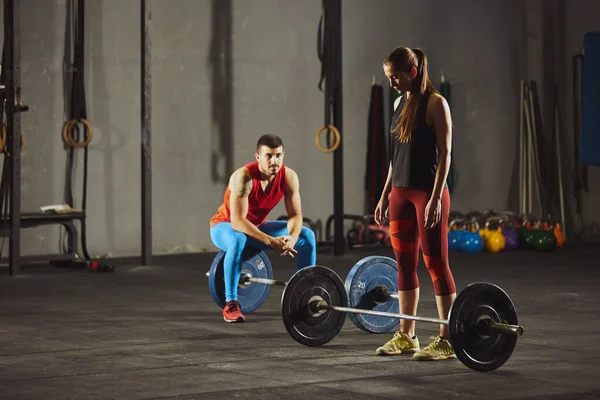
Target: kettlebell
{"points": [[494, 241], [544, 240], [530, 233], [554, 227], [455, 235], [560, 238], [511, 238], [471, 239], [527, 239]]}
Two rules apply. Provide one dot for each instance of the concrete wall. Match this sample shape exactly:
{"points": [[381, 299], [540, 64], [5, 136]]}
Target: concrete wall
{"points": [[225, 72]]}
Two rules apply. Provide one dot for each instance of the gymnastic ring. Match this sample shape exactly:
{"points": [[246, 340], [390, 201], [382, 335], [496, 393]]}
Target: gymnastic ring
{"points": [[4, 140], [67, 133], [336, 138]]}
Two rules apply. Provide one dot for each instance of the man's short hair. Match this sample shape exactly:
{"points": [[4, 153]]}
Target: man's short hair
{"points": [[269, 140]]}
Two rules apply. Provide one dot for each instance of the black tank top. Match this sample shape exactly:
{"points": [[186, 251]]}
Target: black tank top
{"points": [[414, 164]]}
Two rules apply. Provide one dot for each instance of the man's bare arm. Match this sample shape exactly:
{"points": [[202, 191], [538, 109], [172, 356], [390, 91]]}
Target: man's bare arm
{"points": [[293, 204], [240, 186]]}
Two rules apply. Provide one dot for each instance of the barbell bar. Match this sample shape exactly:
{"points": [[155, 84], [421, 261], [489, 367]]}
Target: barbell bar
{"points": [[246, 278], [320, 306]]}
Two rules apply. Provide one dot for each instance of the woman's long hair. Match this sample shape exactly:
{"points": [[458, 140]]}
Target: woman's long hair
{"points": [[404, 59]]}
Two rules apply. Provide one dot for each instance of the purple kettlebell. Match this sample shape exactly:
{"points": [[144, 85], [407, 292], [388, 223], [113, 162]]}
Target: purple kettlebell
{"points": [[510, 237]]}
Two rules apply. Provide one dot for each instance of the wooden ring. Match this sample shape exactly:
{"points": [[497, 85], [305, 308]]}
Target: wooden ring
{"points": [[336, 138], [67, 133]]}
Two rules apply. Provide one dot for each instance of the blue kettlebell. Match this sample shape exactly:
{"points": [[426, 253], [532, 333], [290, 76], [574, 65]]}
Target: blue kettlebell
{"points": [[455, 235], [471, 240]]}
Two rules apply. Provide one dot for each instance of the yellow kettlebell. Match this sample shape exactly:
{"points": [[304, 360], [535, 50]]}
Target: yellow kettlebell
{"points": [[494, 240]]}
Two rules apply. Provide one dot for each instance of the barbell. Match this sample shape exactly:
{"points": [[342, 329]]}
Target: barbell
{"points": [[482, 323], [369, 274], [254, 285]]}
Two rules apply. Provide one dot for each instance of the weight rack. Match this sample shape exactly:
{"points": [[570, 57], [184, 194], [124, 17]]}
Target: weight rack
{"points": [[12, 220]]}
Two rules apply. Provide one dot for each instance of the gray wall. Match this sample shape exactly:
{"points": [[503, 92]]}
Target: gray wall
{"points": [[218, 83]]}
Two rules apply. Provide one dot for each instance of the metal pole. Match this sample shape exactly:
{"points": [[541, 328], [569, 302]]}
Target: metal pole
{"points": [[13, 100], [492, 325], [528, 158], [381, 294], [382, 314], [338, 155], [580, 178], [522, 188], [265, 281], [245, 279], [535, 152], [146, 102], [558, 162]]}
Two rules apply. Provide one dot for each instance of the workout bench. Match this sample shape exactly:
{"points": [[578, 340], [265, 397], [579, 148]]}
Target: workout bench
{"points": [[36, 219]]}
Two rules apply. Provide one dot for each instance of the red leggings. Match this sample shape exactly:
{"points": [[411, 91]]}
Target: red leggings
{"points": [[407, 230]]}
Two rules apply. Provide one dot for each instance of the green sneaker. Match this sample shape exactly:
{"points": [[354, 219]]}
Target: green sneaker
{"points": [[401, 343], [438, 349]]}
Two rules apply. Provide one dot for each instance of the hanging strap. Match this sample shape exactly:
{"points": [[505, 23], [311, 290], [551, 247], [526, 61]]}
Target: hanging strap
{"points": [[77, 131], [78, 103], [321, 46]]}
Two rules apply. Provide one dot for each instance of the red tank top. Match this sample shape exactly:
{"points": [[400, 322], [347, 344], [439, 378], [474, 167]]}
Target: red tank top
{"points": [[259, 202]]}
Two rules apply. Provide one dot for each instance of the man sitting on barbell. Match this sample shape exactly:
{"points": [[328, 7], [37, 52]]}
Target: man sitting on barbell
{"points": [[241, 220]]}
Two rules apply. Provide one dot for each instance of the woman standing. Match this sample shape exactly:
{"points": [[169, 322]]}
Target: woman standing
{"points": [[418, 197]]}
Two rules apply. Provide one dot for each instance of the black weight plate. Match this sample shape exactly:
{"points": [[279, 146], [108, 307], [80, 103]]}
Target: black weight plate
{"points": [[481, 351], [310, 283], [364, 279], [251, 296]]}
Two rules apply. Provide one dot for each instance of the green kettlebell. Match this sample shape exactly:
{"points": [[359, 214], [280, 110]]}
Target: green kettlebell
{"points": [[530, 238], [545, 241]]}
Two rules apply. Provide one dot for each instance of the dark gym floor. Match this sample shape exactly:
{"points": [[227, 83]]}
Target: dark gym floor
{"points": [[155, 332]]}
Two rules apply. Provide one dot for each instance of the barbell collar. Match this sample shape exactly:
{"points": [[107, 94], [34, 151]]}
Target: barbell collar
{"points": [[498, 327]]}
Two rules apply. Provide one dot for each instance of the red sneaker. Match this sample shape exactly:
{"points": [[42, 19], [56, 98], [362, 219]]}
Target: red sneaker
{"points": [[232, 313]]}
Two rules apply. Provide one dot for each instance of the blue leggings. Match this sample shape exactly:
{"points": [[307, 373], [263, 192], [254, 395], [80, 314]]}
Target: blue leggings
{"points": [[233, 243]]}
